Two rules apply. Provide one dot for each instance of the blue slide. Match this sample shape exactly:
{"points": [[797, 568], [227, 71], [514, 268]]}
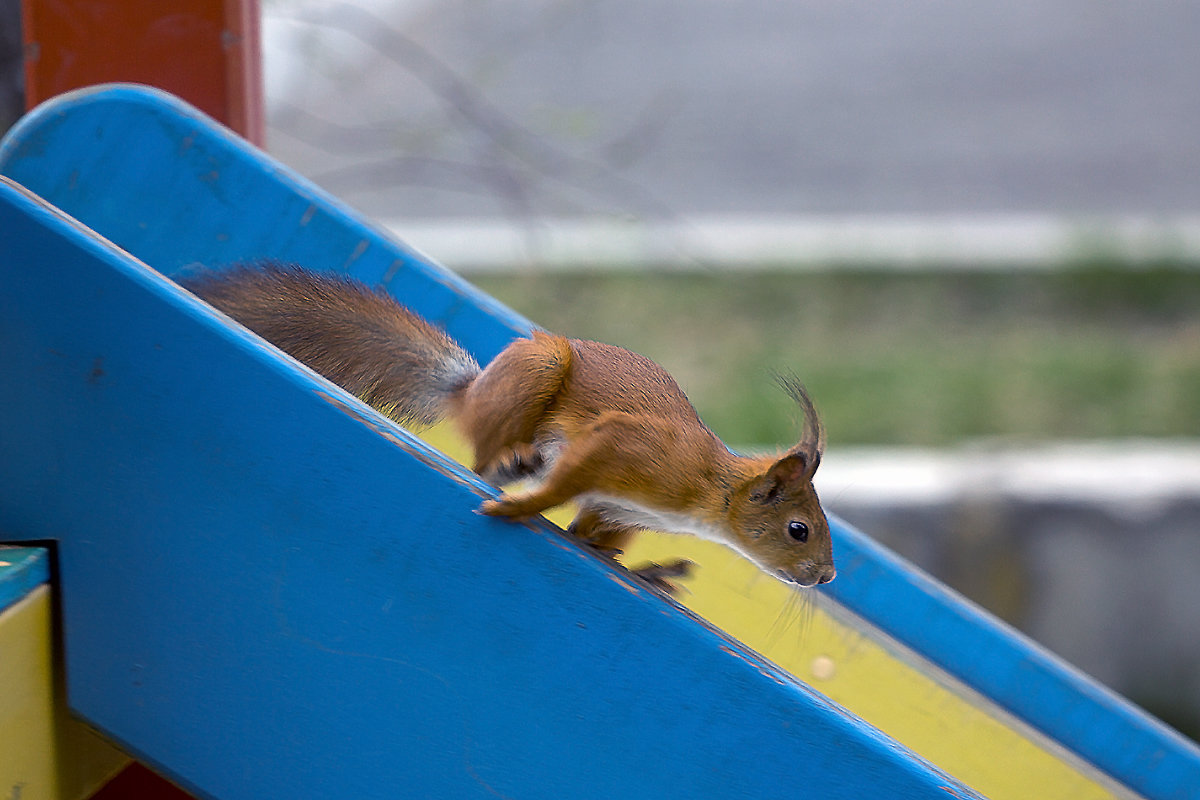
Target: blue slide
{"points": [[269, 590]]}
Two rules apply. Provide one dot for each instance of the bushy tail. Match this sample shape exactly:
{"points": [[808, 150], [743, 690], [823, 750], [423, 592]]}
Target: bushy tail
{"points": [[358, 338]]}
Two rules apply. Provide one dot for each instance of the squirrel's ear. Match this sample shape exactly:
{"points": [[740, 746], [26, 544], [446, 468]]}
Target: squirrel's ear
{"points": [[793, 469], [797, 466]]}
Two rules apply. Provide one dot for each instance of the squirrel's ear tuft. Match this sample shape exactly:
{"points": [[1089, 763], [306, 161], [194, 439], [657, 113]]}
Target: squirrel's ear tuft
{"points": [[812, 439]]}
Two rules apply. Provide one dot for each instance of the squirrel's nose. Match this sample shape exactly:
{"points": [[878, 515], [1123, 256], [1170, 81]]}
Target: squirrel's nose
{"points": [[827, 574]]}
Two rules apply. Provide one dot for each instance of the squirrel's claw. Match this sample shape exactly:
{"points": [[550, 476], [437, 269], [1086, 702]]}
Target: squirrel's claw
{"points": [[608, 552], [659, 575]]}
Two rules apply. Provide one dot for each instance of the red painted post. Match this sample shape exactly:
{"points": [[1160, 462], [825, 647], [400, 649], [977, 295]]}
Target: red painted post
{"points": [[206, 51]]}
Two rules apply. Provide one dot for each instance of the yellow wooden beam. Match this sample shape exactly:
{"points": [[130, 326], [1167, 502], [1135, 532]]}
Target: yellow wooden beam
{"points": [[45, 754], [896, 690]]}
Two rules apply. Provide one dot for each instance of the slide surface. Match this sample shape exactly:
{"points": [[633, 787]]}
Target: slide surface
{"points": [[269, 588]]}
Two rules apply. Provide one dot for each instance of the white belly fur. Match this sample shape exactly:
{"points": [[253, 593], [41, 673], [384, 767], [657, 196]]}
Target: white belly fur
{"points": [[624, 511]]}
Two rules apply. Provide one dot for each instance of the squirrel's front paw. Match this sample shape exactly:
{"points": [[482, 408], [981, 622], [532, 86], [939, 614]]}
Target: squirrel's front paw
{"points": [[505, 506]]}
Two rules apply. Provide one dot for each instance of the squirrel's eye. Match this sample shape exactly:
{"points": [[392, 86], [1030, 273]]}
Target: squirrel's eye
{"points": [[798, 531]]}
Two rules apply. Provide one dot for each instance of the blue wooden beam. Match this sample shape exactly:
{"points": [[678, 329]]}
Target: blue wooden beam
{"points": [[157, 177], [269, 590]]}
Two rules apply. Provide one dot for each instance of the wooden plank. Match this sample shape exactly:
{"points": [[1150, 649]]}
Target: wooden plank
{"points": [[270, 590], [191, 194], [44, 753], [27, 752]]}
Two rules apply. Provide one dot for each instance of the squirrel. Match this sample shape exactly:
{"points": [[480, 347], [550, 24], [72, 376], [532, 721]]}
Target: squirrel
{"points": [[589, 422]]}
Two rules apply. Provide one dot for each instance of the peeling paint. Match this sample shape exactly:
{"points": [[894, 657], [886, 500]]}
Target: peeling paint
{"points": [[762, 668], [356, 254], [392, 271], [624, 584]]}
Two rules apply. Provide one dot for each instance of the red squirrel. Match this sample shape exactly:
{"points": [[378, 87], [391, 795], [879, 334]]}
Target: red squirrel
{"points": [[589, 422]]}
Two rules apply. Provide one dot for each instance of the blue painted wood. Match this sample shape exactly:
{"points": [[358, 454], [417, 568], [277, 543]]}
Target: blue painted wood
{"points": [[191, 193], [179, 191], [22, 569], [271, 591]]}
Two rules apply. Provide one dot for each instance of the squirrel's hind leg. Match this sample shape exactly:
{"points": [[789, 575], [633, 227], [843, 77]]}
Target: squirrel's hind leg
{"points": [[503, 412], [590, 527], [611, 539]]}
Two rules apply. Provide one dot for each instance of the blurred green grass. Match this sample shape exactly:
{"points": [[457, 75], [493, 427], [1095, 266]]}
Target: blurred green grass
{"points": [[1093, 350]]}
